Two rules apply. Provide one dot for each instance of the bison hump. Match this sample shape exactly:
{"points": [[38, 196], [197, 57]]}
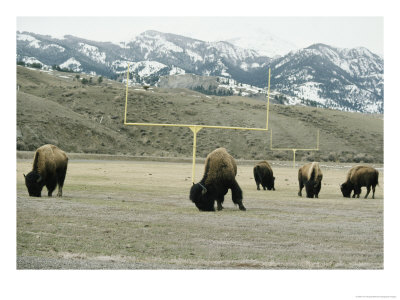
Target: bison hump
{"points": [[220, 167]]}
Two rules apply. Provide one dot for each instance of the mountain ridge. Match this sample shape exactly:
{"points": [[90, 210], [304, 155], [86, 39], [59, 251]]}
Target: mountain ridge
{"points": [[319, 75]]}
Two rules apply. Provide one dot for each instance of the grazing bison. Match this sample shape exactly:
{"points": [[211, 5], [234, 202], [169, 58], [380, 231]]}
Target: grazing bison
{"points": [[357, 177], [49, 169], [310, 176], [219, 176], [263, 175]]}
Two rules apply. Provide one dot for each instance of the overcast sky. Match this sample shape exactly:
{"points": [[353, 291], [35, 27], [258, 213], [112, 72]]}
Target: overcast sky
{"points": [[343, 32]]}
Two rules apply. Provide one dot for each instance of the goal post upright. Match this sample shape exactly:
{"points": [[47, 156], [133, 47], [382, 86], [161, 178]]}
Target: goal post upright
{"points": [[269, 83], [126, 95]]}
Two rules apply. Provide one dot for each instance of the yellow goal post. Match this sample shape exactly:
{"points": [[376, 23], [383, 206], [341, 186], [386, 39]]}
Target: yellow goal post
{"points": [[194, 128], [295, 149]]}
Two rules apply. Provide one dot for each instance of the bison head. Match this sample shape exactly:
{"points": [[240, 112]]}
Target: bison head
{"points": [[346, 189], [271, 184], [202, 197], [34, 183]]}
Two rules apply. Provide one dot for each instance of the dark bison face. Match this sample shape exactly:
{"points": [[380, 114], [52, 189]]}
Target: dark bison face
{"points": [[34, 183], [271, 184], [346, 190], [201, 197]]}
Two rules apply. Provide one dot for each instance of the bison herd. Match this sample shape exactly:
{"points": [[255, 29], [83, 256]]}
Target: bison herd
{"points": [[50, 167]]}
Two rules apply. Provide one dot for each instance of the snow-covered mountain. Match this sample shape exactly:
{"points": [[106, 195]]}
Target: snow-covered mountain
{"points": [[264, 43], [346, 79], [193, 56]]}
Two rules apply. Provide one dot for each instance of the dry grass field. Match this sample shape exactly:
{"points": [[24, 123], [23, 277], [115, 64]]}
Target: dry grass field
{"points": [[137, 215]]}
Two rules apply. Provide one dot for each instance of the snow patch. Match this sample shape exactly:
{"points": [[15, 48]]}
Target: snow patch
{"points": [[31, 60], [58, 47], [193, 55], [309, 91], [176, 71], [72, 64], [92, 52], [33, 42], [142, 68]]}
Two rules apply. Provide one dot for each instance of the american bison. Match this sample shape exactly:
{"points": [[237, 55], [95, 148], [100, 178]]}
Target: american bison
{"points": [[310, 176], [49, 169], [357, 177], [263, 175], [219, 176]]}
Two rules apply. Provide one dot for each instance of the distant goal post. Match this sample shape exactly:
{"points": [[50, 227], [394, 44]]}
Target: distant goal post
{"points": [[294, 149]]}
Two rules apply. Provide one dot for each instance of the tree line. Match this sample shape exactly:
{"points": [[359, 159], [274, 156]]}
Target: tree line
{"points": [[213, 90]]}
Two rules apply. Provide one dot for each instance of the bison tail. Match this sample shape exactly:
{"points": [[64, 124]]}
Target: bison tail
{"points": [[311, 173], [36, 161]]}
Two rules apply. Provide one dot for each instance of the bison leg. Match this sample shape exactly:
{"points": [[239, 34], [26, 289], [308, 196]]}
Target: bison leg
{"points": [[373, 192], [368, 190], [60, 180], [51, 185], [257, 181], [237, 195], [357, 191], [309, 190], [50, 188], [220, 200], [317, 190], [301, 185]]}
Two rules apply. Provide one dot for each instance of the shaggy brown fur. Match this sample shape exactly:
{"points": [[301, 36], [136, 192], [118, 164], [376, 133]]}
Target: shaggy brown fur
{"points": [[219, 176], [49, 169], [358, 177], [263, 175], [310, 176]]}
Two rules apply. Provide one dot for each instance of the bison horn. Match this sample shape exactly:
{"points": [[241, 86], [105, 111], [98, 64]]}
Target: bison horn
{"points": [[204, 191], [24, 175]]}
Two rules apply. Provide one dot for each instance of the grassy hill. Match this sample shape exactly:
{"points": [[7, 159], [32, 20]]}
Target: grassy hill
{"points": [[57, 108]]}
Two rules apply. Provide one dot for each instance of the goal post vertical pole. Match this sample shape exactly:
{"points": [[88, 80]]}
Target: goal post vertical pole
{"points": [[195, 130], [269, 82], [126, 94]]}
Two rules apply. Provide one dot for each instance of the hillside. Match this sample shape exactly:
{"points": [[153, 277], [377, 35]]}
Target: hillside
{"points": [[55, 107]]}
